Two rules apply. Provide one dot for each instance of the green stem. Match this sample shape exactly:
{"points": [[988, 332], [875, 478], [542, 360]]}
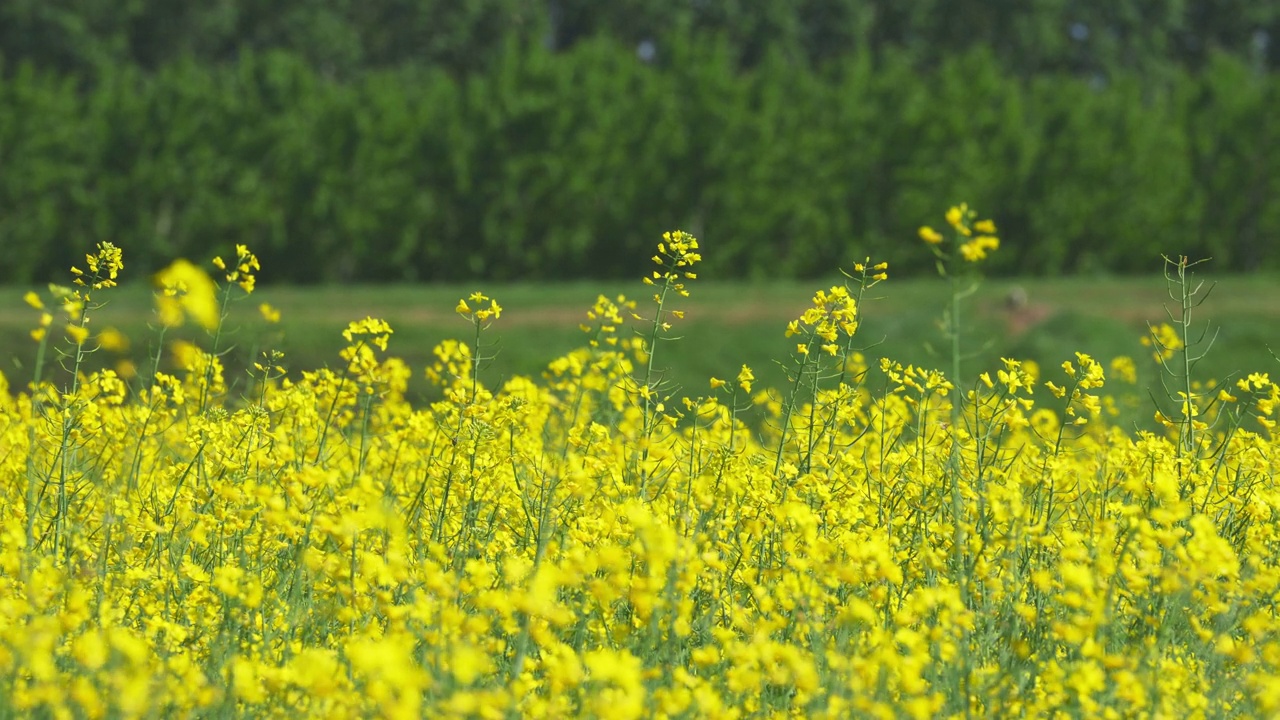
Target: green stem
{"points": [[955, 352], [1188, 421]]}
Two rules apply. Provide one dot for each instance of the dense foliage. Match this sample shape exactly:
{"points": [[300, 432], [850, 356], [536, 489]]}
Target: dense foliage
{"points": [[346, 37], [561, 165], [400, 140], [872, 542]]}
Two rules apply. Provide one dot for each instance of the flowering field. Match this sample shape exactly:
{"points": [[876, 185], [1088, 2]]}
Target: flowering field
{"points": [[863, 541]]}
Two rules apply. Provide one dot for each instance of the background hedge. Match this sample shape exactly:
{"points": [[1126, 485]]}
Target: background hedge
{"points": [[563, 138]]}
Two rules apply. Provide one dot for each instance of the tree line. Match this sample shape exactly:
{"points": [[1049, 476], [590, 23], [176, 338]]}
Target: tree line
{"points": [[552, 142], [345, 37]]}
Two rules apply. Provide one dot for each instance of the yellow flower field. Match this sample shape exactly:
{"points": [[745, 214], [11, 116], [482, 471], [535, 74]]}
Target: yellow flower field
{"points": [[865, 542]]}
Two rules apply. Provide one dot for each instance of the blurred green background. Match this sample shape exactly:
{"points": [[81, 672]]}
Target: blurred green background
{"points": [[525, 140]]}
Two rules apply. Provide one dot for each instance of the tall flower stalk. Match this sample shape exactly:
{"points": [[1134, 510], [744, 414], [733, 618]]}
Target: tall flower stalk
{"points": [[77, 302], [968, 242], [677, 254]]}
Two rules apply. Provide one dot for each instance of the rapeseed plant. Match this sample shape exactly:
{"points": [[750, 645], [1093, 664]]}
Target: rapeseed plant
{"points": [[884, 541]]}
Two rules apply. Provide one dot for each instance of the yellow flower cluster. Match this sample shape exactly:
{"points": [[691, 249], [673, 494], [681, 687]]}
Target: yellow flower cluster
{"points": [[834, 313], [187, 291], [974, 238], [362, 337], [869, 552], [1087, 376], [1164, 341], [605, 317], [676, 253], [104, 267], [242, 272], [486, 308], [46, 319]]}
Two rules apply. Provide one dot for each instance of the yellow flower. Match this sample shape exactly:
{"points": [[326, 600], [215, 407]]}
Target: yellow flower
{"points": [[90, 650], [676, 253], [246, 264], [104, 266], [977, 248], [187, 291], [112, 340], [32, 299], [1187, 404], [269, 313], [1124, 368], [372, 330], [1164, 339], [186, 355], [469, 664], [78, 333], [929, 235], [1259, 381], [494, 311], [480, 314], [39, 333], [126, 369], [107, 261]]}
